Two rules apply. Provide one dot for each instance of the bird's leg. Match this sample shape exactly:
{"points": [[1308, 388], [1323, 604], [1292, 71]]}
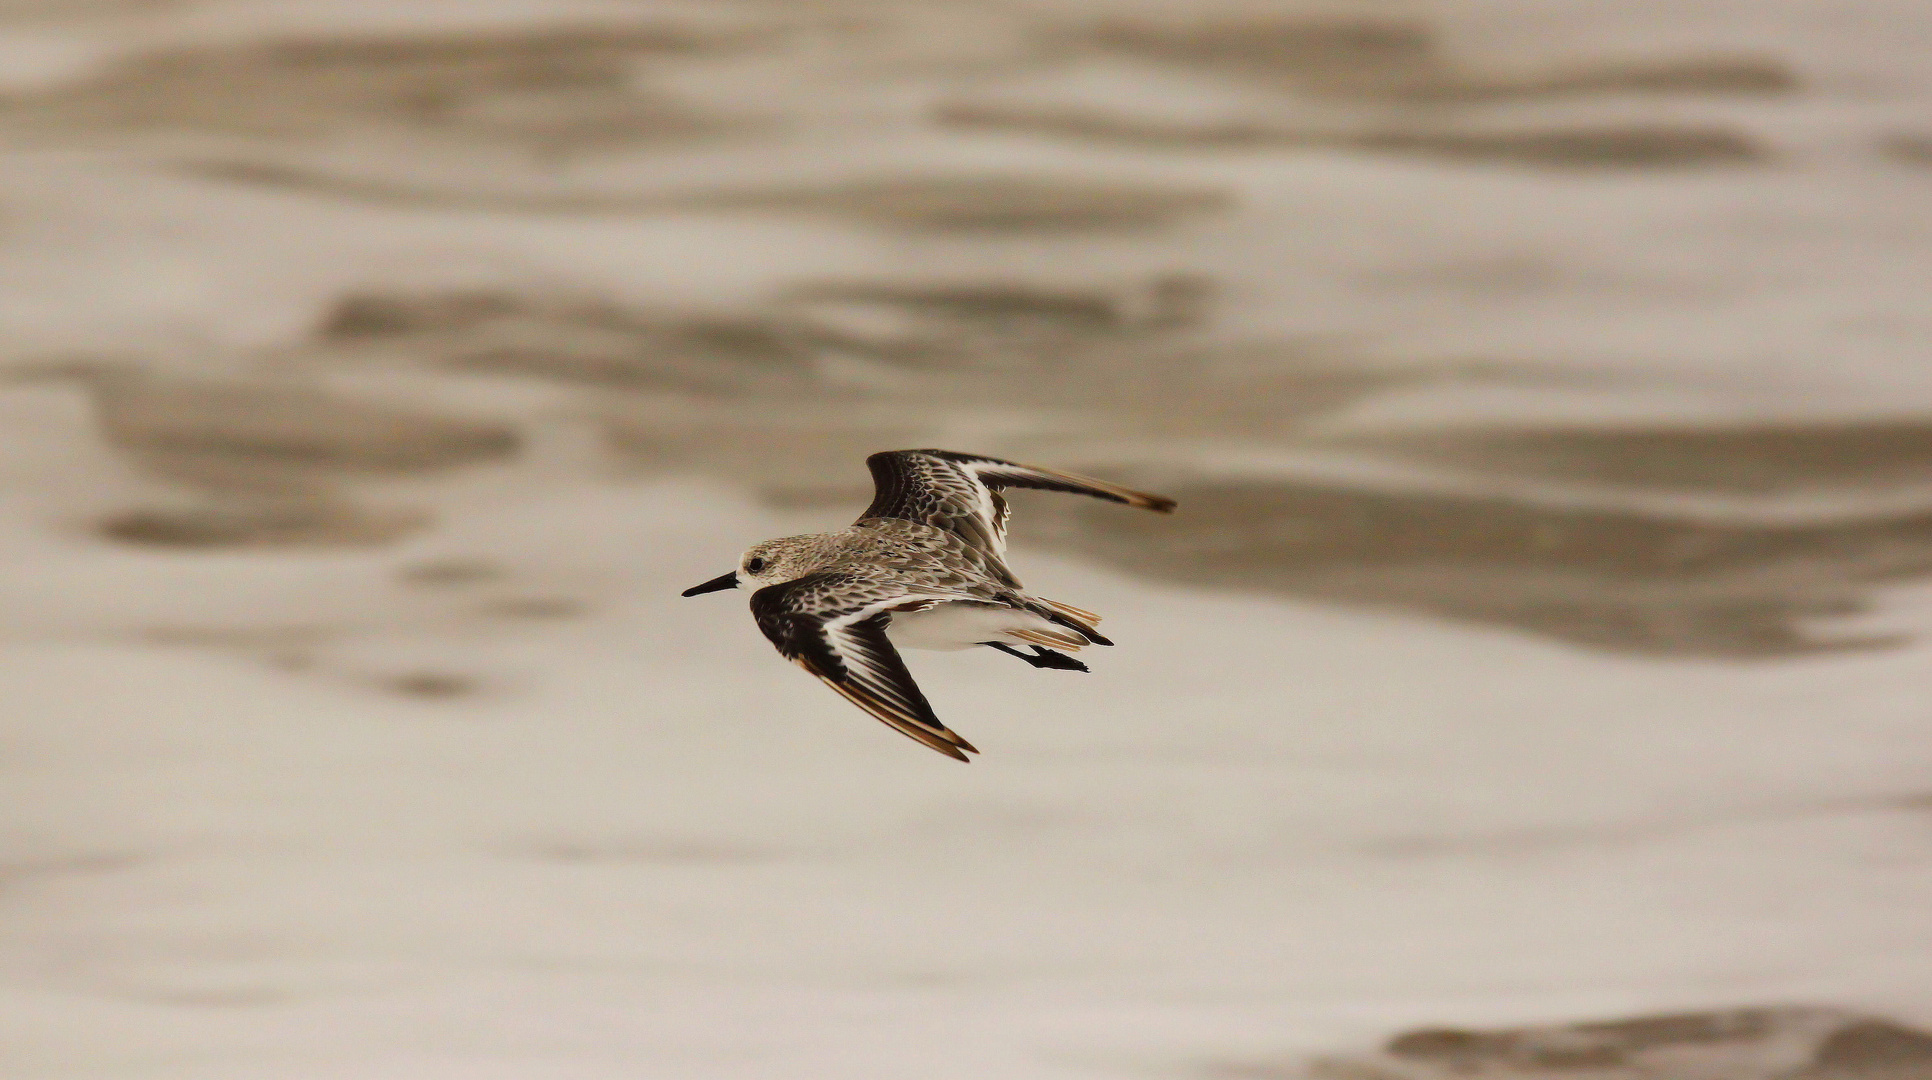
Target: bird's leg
{"points": [[1041, 658], [1007, 649], [1047, 658]]}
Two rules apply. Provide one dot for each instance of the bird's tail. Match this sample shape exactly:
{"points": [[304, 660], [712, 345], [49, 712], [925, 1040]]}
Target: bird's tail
{"points": [[1070, 611], [1050, 639], [1073, 618]]}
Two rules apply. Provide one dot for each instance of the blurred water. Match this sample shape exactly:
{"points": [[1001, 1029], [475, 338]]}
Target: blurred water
{"points": [[1539, 637]]}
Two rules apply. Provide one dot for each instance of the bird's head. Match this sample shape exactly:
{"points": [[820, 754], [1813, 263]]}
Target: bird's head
{"points": [[787, 558]]}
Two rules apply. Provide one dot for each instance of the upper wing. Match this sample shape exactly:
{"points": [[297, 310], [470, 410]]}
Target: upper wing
{"points": [[834, 626], [960, 492]]}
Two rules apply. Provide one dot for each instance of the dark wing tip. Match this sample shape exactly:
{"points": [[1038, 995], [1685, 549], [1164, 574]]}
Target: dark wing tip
{"points": [[926, 730], [955, 754]]}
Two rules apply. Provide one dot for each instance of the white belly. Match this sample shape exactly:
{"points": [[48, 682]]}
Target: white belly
{"points": [[946, 627]]}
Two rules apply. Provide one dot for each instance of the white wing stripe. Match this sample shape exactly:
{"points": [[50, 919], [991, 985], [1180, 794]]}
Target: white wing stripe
{"points": [[863, 666]]}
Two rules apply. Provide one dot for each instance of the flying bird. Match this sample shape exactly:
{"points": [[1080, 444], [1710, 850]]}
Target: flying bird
{"points": [[924, 568]]}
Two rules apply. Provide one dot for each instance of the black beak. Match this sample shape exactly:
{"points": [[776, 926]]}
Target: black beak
{"points": [[729, 581]]}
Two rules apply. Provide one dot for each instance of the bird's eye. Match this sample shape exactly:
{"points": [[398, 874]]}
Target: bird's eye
{"points": [[755, 566]]}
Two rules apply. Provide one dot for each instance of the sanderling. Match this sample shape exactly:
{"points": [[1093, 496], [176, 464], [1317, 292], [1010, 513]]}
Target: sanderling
{"points": [[923, 567]]}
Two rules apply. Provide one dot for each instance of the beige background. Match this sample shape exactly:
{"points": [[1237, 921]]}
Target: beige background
{"points": [[1543, 383]]}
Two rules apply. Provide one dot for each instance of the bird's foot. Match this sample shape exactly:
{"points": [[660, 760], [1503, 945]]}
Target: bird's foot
{"points": [[1047, 658], [1041, 658]]}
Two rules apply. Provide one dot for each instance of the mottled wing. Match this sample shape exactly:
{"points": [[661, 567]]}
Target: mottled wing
{"points": [[960, 492], [834, 626]]}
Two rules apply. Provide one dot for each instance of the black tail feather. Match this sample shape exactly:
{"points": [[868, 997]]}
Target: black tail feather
{"points": [[1084, 629]]}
